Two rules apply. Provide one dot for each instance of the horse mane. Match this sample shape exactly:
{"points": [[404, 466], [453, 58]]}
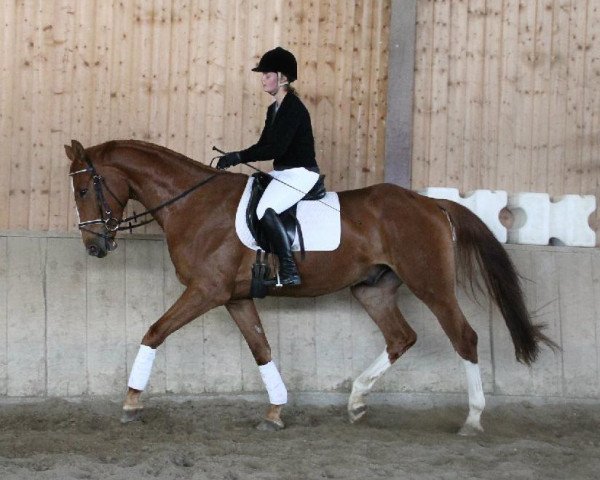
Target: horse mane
{"points": [[151, 148]]}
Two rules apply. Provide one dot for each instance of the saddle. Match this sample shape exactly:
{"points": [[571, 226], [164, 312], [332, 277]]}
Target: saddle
{"points": [[288, 217], [260, 270]]}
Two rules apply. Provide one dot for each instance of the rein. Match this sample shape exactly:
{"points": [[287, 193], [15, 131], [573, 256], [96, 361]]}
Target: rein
{"points": [[152, 210]]}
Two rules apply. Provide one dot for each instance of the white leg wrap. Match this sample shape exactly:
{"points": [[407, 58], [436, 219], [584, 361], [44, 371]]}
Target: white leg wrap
{"points": [[476, 397], [142, 366], [275, 386]]}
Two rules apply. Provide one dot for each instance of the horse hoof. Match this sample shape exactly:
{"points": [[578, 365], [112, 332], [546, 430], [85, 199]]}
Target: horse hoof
{"points": [[129, 416], [270, 425], [470, 430], [357, 413]]}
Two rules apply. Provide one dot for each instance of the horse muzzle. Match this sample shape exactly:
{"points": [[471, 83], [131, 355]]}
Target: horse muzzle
{"points": [[99, 248]]}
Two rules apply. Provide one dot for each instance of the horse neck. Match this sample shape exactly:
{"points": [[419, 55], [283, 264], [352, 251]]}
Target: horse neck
{"points": [[156, 176]]}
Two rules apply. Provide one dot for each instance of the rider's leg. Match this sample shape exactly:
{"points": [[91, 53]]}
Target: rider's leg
{"points": [[287, 189], [281, 245]]}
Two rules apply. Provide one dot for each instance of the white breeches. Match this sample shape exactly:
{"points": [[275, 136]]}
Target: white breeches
{"points": [[280, 196]]}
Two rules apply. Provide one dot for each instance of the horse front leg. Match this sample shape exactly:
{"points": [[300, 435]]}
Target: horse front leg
{"points": [[194, 302], [246, 317]]}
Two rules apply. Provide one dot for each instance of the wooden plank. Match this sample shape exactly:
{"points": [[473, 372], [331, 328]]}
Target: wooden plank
{"points": [[65, 317], [559, 68], [325, 75], [144, 302], [439, 94], [236, 67], [378, 93], [61, 57], [474, 95], [81, 105], [106, 328], [254, 101], [360, 82], [456, 95], [160, 47], [491, 93], [509, 96], [123, 77], [338, 179], [184, 349], [423, 77], [217, 58], [3, 316], [100, 55], [590, 183], [20, 168], [8, 67], [26, 312], [575, 116], [179, 59], [525, 85], [542, 59], [40, 121], [197, 82]]}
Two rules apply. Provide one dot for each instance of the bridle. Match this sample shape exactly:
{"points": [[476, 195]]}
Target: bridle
{"points": [[110, 223]]}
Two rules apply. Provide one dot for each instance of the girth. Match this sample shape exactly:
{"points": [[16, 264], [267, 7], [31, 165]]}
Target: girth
{"points": [[288, 217]]}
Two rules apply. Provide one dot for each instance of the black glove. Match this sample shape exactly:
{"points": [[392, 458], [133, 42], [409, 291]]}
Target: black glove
{"points": [[229, 160]]}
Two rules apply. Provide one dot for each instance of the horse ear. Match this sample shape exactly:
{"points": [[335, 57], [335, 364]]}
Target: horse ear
{"points": [[69, 152], [78, 149]]}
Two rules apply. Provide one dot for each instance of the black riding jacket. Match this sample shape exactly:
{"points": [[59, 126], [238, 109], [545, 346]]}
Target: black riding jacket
{"points": [[287, 137]]}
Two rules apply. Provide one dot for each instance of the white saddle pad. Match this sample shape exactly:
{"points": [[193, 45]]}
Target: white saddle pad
{"points": [[319, 220]]}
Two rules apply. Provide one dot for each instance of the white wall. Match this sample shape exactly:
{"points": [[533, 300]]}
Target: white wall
{"points": [[71, 325]]}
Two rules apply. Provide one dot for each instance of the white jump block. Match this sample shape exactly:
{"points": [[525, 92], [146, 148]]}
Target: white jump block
{"points": [[538, 219], [486, 204]]}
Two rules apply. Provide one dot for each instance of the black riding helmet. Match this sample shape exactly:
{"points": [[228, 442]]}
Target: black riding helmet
{"points": [[278, 60]]}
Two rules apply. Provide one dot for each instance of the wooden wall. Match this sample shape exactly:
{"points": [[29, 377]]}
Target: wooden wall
{"points": [[177, 73], [507, 96]]}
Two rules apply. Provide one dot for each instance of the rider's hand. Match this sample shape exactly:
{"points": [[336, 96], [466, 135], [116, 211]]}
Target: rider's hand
{"points": [[229, 160]]}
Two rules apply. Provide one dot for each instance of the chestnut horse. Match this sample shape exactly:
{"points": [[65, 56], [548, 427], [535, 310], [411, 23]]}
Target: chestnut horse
{"points": [[390, 236]]}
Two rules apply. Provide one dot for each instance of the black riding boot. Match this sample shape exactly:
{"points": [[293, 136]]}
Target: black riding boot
{"points": [[281, 244]]}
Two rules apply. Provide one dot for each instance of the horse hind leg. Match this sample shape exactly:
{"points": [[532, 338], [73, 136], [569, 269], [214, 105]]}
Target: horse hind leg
{"points": [[464, 341], [379, 300]]}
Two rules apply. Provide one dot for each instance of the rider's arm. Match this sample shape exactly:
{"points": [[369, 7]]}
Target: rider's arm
{"points": [[276, 142]]}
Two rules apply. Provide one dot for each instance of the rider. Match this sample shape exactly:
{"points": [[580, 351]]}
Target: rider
{"points": [[287, 138]]}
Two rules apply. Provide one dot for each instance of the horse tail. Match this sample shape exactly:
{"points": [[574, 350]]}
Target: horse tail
{"points": [[477, 249]]}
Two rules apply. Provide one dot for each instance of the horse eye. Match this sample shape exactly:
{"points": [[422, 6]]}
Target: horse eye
{"points": [[82, 192]]}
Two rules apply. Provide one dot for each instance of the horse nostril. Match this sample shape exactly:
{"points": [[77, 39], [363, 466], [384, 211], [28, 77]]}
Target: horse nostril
{"points": [[93, 250]]}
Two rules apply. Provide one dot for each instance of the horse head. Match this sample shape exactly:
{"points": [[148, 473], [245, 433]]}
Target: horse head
{"points": [[101, 193]]}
